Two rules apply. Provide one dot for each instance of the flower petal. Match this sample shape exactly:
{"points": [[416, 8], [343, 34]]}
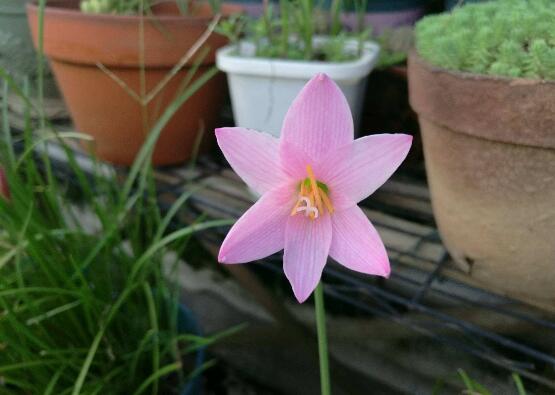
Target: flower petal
{"points": [[307, 243], [356, 244], [356, 170], [254, 156], [261, 230], [319, 119], [294, 160]]}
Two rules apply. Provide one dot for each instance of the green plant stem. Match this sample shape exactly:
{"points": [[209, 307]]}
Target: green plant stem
{"points": [[284, 13], [40, 64], [307, 10], [142, 69], [335, 12], [361, 6], [519, 384], [322, 339]]}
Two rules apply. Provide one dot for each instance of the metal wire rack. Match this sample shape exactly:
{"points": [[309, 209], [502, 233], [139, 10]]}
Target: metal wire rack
{"points": [[419, 290], [426, 292]]}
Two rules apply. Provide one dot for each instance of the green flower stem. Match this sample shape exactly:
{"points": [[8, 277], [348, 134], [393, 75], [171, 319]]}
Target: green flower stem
{"points": [[322, 339]]}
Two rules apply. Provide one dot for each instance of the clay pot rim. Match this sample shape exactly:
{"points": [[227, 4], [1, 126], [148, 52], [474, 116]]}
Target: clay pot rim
{"points": [[467, 75], [61, 9], [507, 110], [72, 36]]}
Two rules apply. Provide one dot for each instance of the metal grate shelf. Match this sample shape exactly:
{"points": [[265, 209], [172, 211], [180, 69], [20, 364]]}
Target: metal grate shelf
{"points": [[426, 293]]}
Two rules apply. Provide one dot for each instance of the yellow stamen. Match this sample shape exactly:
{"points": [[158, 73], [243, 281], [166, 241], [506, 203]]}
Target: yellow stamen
{"points": [[314, 186], [319, 204], [302, 193], [327, 202]]}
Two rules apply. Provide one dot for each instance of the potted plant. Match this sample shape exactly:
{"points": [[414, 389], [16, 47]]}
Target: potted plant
{"points": [[279, 53], [116, 88], [482, 83]]}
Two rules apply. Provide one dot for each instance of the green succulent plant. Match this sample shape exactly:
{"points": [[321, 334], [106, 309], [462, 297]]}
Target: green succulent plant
{"points": [[113, 6], [510, 38], [133, 7]]}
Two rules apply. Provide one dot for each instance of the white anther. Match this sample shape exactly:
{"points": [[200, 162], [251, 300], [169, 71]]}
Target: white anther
{"points": [[308, 208]]}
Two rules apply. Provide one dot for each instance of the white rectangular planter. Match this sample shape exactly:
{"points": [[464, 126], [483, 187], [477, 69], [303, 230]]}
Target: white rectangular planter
{"points": [[262, 89]]}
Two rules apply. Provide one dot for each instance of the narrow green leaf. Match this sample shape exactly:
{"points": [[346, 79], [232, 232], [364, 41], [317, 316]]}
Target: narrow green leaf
{"points": [[164, 371], [519, 384]]}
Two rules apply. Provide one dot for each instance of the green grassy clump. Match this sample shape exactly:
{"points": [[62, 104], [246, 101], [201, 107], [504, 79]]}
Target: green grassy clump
{"points": [[289, 30], [87, 304], [509, 38]]}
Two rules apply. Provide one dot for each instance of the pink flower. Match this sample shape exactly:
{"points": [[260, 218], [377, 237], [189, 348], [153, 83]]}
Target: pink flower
{"points": [[4, 188], [311, 180]]}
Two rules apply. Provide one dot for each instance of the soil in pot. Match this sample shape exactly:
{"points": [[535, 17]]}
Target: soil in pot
{"points": [[77, 43], [490, 159]]}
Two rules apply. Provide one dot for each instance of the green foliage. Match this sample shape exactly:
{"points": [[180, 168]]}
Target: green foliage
{"points": [[121, 7], [85, 304], [511, 38], [289, 30], [133, 7], [473, 387]]}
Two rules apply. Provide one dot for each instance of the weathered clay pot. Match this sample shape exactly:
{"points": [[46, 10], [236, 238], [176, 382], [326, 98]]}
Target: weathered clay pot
{"points": [[489, 145], [77, 42]]}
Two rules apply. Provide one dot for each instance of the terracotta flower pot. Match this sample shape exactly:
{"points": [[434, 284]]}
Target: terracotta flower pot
{"points": [[489, 147], [77, 42]]}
